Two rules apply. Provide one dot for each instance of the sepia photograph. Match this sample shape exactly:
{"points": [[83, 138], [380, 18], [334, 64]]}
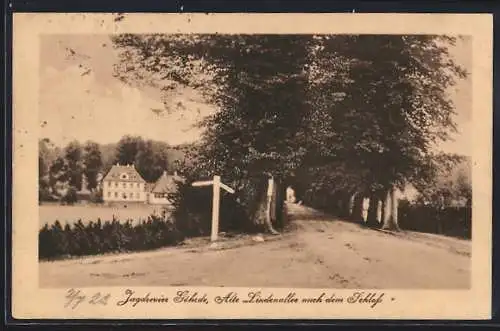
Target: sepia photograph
{"points": [[190, 159], [348, 156]]}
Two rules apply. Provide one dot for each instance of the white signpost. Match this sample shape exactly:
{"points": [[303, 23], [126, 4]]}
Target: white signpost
{"points": [[217, 185]]}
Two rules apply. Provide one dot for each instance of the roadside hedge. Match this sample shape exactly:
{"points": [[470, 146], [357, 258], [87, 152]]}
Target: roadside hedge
{"points": [[56, 241], [450, 221], [192, 211]]}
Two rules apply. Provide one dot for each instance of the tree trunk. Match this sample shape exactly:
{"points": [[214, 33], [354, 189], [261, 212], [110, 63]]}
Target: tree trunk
{"points": [[339, 198], [351, 204], [391, 210], [379, 212], [279, 205], [262, 217], [365, 206], [387, 209], [395, 205], [270, 206], [258, 205], [357, 212], [372, 211]]}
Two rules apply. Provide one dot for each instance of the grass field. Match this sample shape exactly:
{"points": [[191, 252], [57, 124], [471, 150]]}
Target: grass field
{"points": [[71, 214]]}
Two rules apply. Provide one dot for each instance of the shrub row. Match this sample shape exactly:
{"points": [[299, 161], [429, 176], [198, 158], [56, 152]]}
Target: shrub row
{"points": [[192, 211], [56, 241], [451, 221]]}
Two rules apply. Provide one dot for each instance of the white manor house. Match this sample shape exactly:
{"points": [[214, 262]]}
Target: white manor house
{"points": [[123, 183]]}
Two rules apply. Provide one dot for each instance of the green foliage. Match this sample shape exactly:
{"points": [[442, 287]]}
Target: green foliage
{"points": [[71, 196], [92, 162], [192, 209], [73, 157], [150, 157], [71, 166], [450, 184], [452, 221], [96, 196], [44, 194], [58, 172], [127, 149], [105, 237], [339, 113], [152, 160], [43, 180], [381, 106]]}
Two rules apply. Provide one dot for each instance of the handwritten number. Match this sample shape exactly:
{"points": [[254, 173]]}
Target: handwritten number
{"points": [[104, 300], [75, 297], [99, 299]]}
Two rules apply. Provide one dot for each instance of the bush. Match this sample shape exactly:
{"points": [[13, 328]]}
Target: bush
{"points": [[96, 196], [70, 197], [44, 195], [110, 236], [451, 221], [193, 211]]}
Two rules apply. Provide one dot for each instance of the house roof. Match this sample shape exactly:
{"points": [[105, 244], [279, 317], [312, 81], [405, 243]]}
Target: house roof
{"points": [[123, 173], [166, 183]]}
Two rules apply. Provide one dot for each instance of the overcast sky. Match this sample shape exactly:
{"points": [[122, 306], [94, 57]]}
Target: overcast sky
{"points": [[80, 99]]}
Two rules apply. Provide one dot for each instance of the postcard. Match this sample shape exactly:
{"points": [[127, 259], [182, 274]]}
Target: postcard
{"points": [[252, 166]]}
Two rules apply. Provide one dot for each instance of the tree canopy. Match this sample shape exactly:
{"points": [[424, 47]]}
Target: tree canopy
{"points": [[368, 108]]}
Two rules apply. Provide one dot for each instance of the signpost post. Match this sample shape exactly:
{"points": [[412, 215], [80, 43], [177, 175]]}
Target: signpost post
{"points": [[216, 186]]}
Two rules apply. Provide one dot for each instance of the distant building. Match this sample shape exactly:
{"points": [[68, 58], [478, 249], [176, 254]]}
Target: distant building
{"points": [[125, 184], [290, 195], [160, 190]]}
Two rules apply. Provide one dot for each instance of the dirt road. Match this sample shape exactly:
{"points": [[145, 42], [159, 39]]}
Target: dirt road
{"points": [[321, 252]]}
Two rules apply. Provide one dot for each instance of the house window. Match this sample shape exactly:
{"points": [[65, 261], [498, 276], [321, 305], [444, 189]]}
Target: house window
{"points": [[116, 194], [109, 194], [116, 184], [109, 184], [137, 185], [124, 195], [124, 185], [137, 195], [131, 185]]}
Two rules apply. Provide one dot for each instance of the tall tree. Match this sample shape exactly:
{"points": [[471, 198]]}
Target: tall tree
{"points": [[92, 162], [257, 83], [73, 157], [367, 109], [152, 160], [381, 107], [58, 172], [43, 168], [127, 149]]}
